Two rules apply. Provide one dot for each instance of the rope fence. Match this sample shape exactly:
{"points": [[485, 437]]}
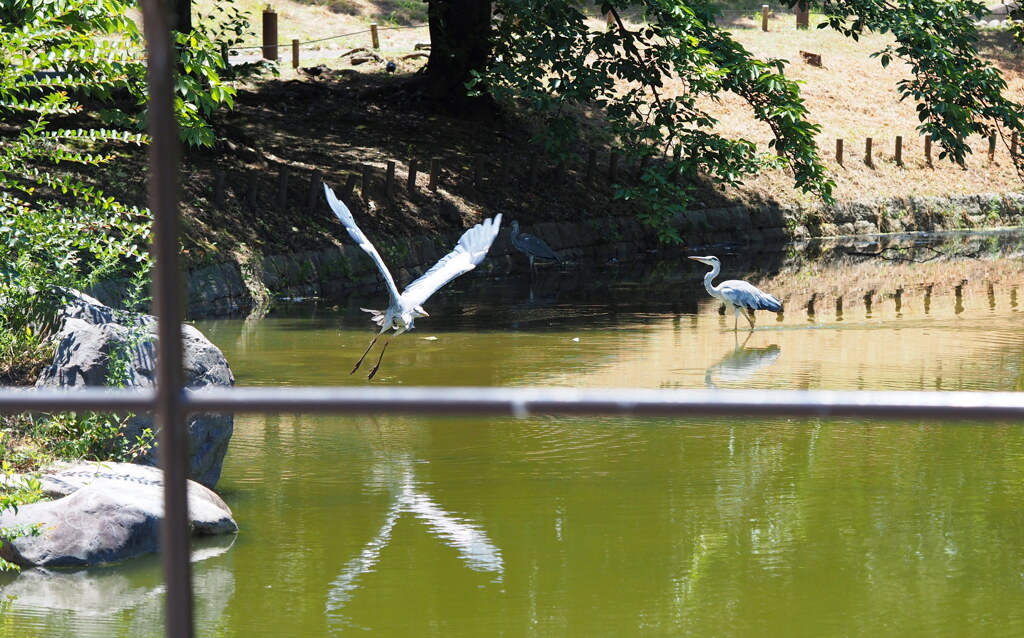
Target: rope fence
{"points": [[270, 49]]}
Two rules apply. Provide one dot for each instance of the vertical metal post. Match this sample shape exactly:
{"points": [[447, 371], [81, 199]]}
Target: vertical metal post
{"points": [[163, 199]]}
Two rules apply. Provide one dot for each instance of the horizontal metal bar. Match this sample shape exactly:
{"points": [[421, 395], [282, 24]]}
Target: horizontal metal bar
{"points": [[521, 402], [14, 400]]}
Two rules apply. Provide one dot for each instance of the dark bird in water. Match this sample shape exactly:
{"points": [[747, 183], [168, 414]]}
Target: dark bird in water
{"points": [[531, 246], [405, 308], [737, 294]]}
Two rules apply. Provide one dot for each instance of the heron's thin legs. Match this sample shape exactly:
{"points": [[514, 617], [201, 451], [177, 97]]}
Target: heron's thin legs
{"points": [[377, 365], [358, 363], [749, 316]]}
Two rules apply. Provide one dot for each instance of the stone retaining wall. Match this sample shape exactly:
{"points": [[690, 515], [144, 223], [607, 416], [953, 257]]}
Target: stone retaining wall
{"points": [[338, 271]]}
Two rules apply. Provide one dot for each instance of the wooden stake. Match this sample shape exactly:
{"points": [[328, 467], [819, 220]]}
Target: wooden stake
{"points": [[613, 166], [928, 149], [364, 188], [764, 18], [899, 150], [315, 190], [534, 167], [373, 36], [435, 177], [867, 153], [591, 166], [1013, 145], [803, 15], [295, 54], [350, 187], [389, 180], [269, 34], [410, 185], [991, 148], [839, 151]]}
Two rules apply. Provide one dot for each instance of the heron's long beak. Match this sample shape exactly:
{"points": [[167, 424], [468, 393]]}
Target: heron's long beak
{"points": [[424, 313], [700, 259]]}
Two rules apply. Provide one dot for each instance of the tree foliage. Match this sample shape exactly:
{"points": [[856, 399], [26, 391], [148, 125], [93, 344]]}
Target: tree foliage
{"points": [[548, 60]]}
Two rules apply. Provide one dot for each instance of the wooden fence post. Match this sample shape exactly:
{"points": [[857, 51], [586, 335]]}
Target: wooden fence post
{"points": [[435, 168], [764, 18], [350, 187], [899, 150], [591, 166], [313, 196], [867, 153], [928, 149], [410, 184], [991, 148], [295, 53], [803, 15], [364, 189], [839, 151], [534, 167], [389, 180], [1013, 145], [613, 166], [269, 34], [373, 36]]}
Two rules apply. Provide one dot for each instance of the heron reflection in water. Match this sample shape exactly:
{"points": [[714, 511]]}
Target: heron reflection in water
{"points": [[741, 364], [737, 294], [475, 549]]}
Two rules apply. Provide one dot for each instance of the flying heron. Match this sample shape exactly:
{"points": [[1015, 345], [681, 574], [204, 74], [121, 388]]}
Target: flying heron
{"points": [[531, 245], [737, 294], [405, 308]]}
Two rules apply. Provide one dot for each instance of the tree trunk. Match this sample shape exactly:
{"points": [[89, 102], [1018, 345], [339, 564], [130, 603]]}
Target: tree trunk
{"points": [[460, 42]]}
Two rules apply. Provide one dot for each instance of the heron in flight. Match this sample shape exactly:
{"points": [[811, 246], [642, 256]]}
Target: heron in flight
{"points": [[531, 245], [405, 308], [737, 294]]}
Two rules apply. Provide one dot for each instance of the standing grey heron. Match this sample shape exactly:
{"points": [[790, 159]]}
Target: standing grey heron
{"points": [[405, 308], [737, 294], [531, 245]]}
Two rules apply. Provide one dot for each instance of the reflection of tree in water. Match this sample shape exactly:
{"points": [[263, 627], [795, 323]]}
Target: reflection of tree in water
{"points": [[474, 547], [741, 364]]}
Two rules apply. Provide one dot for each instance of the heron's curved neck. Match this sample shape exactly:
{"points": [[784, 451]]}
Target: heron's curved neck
{"points": [[715, 269]]}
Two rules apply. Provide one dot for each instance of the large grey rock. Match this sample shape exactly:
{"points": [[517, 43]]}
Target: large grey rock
{"points": [[92, 332], [104, 513]]}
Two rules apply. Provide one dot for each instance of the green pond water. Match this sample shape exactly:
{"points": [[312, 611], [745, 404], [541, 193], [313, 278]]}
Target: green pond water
{"points": [[545, 526]]}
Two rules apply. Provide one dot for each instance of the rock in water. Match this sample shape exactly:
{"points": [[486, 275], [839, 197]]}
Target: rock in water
{"points": [[92, 332], [104, 513]]}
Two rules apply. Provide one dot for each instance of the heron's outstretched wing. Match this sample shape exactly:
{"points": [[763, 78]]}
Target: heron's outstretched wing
{"points": [[470, 251], [343, 213]]}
